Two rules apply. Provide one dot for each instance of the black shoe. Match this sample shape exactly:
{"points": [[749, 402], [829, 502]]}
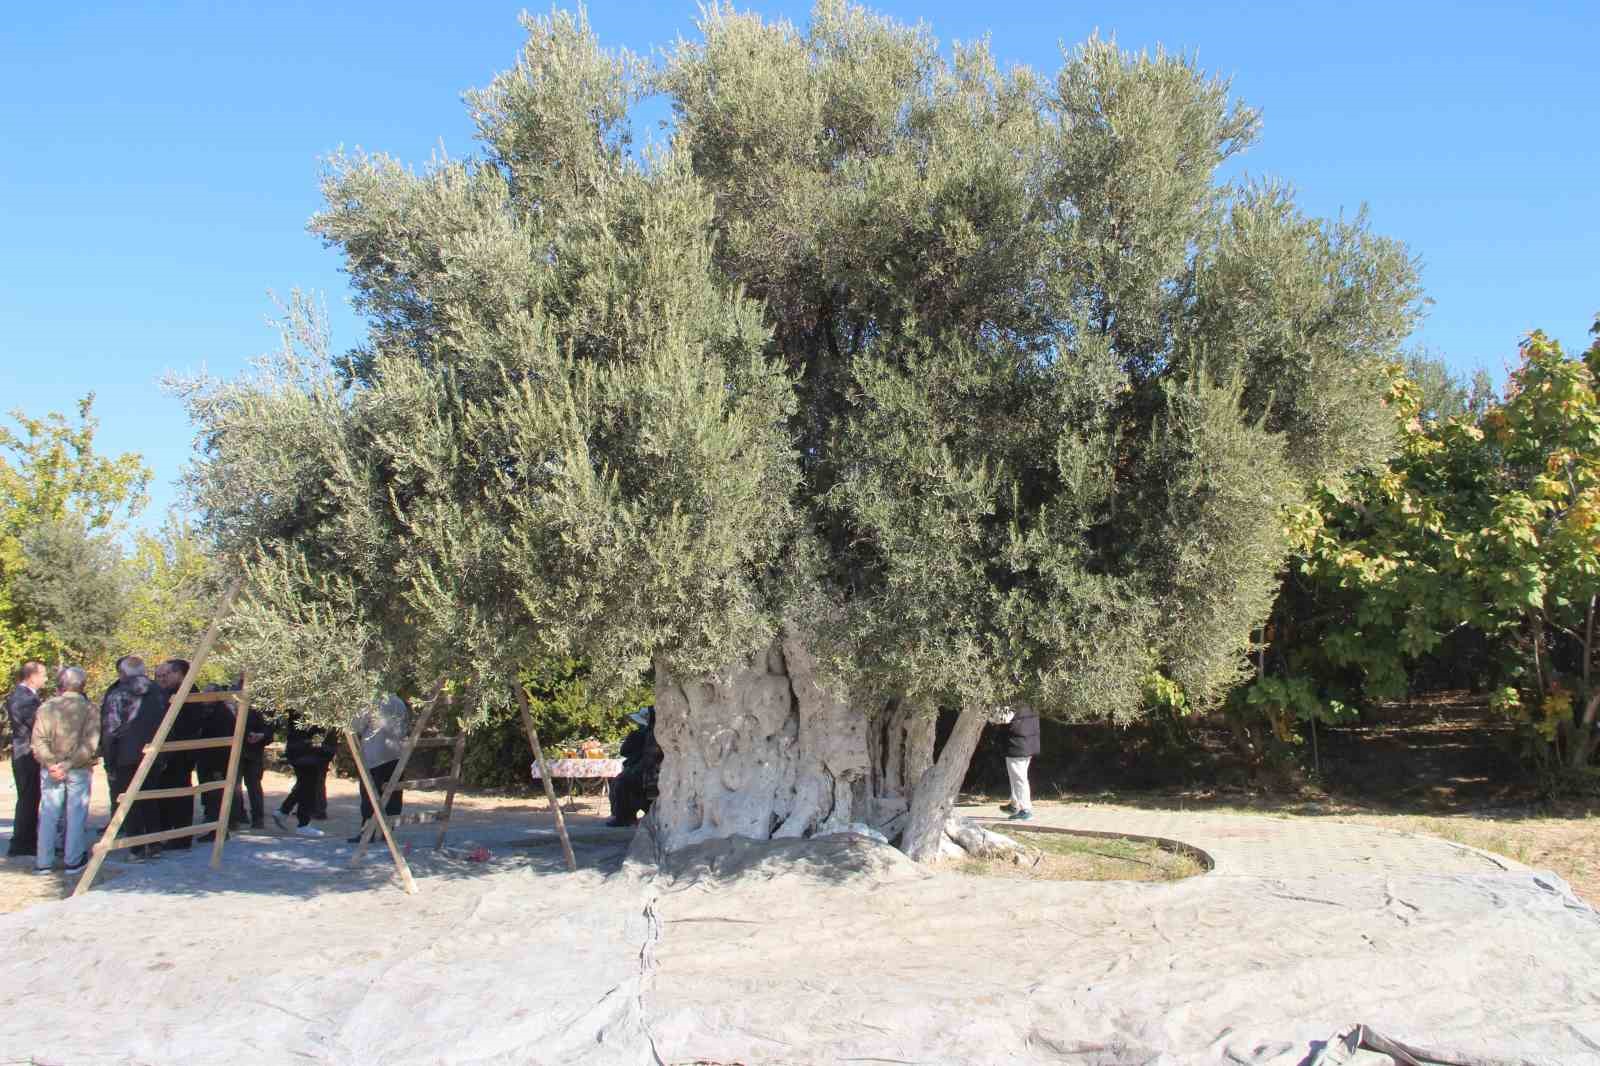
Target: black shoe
{"points": [[77, 867], [354, 840], [258, 823], [206, 838], [1021, 816], [1008, 808], [621, 823], [22, 854]]}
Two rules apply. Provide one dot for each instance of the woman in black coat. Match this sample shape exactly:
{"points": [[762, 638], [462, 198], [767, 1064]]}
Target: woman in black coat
{"points": [[1022, 744]]}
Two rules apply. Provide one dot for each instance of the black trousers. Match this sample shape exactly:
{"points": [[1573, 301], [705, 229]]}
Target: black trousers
{"points": [[310, 787], [250, 771], [211, 802], [380, 777], [145, 816], [628, 795], [25, 819], [177, 771]]}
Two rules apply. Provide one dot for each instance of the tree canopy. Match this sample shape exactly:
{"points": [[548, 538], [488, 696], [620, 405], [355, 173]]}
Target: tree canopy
{"points": [[61, 583], [985, 381], [1485, 520]]}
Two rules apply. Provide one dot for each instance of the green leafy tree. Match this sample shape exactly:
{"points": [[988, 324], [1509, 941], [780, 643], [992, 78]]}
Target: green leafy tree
{"points": [[60, 497], [1540, 549], [1488, 523], [1055, 381], [173, 584], [897, 381], [73, 587]]}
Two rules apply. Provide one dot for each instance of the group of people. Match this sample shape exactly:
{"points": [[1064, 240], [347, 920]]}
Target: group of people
{"points": [[309, 750], [56, 742]]}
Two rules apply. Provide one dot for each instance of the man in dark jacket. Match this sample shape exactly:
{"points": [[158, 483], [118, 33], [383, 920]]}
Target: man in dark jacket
{"points": [[151, 815], [215, 722], [22, 707], [176, 769], [1022, 744], [118, 708], [252, 765]]}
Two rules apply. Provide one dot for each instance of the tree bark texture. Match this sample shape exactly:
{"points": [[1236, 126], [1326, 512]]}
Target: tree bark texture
{"points": [[935, 794], [767, 751]]}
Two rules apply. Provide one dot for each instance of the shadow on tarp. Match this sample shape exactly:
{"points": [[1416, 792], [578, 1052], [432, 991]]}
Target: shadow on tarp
{"points": [[295, 867], [836, 859]]}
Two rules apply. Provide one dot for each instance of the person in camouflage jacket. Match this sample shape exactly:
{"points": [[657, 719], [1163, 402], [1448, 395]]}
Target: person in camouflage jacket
{"points": [[118, 708], [66, 738], [123, 736]]}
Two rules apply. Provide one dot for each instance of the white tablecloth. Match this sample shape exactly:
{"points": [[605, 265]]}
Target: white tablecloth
{"points": [[581, 768]]}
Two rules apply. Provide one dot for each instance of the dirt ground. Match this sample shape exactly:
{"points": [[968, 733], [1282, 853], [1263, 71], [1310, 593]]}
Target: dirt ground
{"points": [[21, 887]]}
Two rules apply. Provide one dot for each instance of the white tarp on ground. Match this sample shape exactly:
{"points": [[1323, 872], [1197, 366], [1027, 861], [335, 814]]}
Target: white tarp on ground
{"points": [[800, 952]]}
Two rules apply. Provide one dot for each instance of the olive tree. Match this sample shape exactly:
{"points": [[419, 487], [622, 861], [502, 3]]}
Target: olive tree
{"points": [[896, 381]]}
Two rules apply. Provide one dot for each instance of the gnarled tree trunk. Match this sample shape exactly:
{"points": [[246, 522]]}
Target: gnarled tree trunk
{"points": [[767, 751], [936, 793]]}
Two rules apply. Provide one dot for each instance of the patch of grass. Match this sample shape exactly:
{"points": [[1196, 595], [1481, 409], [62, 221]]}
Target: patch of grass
{"points": [[1072, 857], [1563, 836]]}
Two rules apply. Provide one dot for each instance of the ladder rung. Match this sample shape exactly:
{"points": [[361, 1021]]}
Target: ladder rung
{"points": [[433, 742], [430, 783], [176, 793], [194, 745], [156, 838]]}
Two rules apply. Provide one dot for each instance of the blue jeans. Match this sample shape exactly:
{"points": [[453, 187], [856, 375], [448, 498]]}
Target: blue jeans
{"points": [[71, 793]]}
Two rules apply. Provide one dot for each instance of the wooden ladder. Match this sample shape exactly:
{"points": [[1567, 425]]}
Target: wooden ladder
{"points": [[112, 840], [380, 821], [451, 782]]}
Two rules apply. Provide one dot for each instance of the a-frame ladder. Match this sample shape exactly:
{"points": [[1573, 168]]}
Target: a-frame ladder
{"points": [[380, 820], [414, 741], [112, 840]]}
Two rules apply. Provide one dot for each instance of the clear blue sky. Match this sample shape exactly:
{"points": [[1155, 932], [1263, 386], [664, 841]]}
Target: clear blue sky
{"points": [[158, 161]]}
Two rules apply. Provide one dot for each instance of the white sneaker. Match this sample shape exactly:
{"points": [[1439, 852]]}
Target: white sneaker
{"points": [[308, 831], [279, 821]]}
